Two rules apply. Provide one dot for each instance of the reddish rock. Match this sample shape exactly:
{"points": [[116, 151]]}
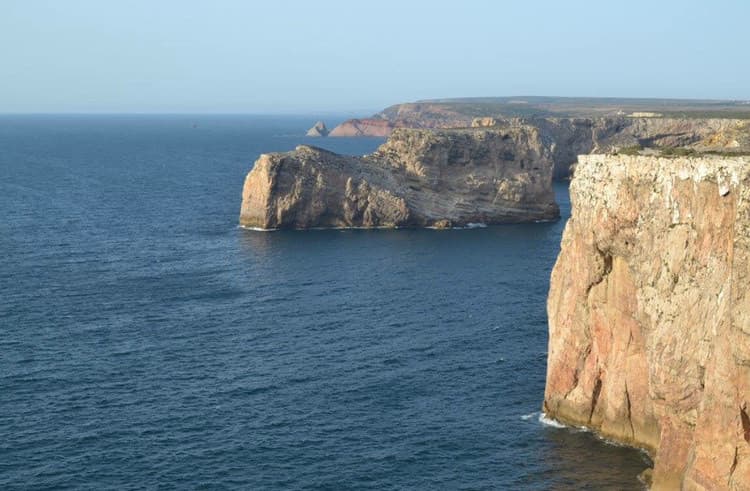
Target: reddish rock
{"points": [[363, 127], [649, 314]]}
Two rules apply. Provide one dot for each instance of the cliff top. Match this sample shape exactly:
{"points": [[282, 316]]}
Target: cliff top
{"points": [[542, 106], [725, 171]]}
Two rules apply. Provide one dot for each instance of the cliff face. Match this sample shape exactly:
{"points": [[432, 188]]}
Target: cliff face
{"points": [[417, 178], [568, 137], [364, 127], [649, 314]]}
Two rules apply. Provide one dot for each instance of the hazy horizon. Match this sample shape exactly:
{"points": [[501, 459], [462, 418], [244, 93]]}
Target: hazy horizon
{"points": [[233, 57]]}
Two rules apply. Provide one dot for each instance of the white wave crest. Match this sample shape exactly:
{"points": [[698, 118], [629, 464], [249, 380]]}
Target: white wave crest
{"points": [[257, 229], [549, 422]]}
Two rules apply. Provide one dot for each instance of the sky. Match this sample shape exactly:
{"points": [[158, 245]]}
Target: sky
{"points": [[284, 56]]}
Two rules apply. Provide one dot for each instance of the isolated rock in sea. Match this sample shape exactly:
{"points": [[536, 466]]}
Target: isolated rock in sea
{"points": [[649, 314], [319, 129], [418, 178]]}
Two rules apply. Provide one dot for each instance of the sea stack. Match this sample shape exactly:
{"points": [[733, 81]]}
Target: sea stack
{"points": [[318, 130], [418, 178], [649, 314]]}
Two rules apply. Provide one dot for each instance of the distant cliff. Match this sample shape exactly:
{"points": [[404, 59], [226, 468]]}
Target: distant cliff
{"points": [[649, 314], [569, 137], [569, 132], [364, 127], [418, 178]]}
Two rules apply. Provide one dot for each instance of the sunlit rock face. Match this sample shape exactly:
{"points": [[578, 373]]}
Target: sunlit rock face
{"points": [[418, 178], [567, 137], [649, 314]]}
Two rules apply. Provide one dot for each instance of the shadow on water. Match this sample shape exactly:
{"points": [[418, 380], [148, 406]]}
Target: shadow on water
{"points": [[573, 453]]}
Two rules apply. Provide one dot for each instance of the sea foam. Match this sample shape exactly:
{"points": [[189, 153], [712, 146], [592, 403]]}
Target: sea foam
{"points": [[549, 422]]}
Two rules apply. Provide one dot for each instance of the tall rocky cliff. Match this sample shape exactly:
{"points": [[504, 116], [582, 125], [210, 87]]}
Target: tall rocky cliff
{"points": [[649, 314], [417, 178]]}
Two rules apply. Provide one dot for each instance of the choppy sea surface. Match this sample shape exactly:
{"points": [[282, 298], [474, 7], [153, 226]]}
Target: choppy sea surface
{"points": [[148, 342]]}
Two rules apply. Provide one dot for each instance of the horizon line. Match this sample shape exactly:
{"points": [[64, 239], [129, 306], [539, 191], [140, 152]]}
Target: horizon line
{"points": [[361, 110]]}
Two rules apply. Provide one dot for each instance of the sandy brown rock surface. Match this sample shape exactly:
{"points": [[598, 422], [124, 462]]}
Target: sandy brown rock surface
{"points": [[418, 178], [649, 314], [566, 137]]}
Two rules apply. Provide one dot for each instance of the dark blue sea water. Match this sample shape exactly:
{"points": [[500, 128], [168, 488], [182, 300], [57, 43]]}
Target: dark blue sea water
{"points": [[148, 342]]}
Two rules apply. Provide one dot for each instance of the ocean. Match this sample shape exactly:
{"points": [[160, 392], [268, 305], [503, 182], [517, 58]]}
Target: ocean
{"points": [[148, 342]]}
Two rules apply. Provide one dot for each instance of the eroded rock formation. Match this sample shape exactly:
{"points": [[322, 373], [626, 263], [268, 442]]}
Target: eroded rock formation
{"points": [[417, 178], [649, 314], [318, 130], [565, 136]]}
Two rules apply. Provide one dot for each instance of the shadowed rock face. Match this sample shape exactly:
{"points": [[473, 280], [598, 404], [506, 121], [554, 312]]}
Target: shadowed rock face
{"points": [[569, 137], [418, 178], [649, 314]]}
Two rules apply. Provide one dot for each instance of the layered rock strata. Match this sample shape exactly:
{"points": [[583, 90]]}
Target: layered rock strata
{"points": [[649, 314], [418, 178]]}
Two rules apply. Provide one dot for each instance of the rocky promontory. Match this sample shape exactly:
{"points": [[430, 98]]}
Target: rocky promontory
{"points": [[570, 127], [649, 314], [418, 178], [364, 127]]}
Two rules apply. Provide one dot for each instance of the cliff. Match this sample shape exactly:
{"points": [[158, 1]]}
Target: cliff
{"points": [[649, 314], [569, 137], [364, 127], [571, 127], [418, 178]]}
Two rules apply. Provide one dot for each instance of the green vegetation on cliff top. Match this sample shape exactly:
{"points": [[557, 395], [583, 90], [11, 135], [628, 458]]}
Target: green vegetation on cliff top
{"points": [[537, 106]]}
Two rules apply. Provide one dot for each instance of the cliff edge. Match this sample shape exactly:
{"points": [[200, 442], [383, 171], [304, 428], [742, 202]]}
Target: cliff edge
{"points": [[649, 314], [418, 178]]}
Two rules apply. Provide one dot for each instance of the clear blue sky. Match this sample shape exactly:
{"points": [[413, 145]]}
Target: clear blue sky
{"points": [[335, 55]]}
